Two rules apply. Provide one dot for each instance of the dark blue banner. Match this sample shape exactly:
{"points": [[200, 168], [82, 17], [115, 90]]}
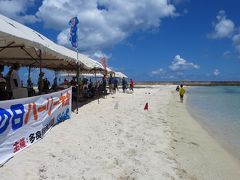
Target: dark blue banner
{"points": [[73, 31]]}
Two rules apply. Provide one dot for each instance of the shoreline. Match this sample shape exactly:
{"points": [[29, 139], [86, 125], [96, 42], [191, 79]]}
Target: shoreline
{"points": [[198, 154], [224, 142]]}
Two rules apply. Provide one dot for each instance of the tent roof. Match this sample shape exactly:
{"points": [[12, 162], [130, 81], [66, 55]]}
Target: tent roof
{"points": [[20, 44], [120, 75]]}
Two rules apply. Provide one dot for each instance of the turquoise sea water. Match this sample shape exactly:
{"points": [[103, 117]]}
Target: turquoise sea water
{"points": [[217, 109]]}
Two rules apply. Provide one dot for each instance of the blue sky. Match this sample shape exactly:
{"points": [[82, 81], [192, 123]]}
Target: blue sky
{"points": [[149, 40]]}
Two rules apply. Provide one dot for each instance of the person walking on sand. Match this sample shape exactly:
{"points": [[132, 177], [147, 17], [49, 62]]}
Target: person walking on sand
{"points": [[110, 83], [124, 84], [115, 85], [181, 93], [131, 84]]}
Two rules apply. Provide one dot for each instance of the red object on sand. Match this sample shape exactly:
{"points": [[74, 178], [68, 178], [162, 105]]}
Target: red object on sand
{"points": [[146, 106]]}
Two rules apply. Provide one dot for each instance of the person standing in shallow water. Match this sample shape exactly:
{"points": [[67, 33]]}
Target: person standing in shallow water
{"points": [[177, 88], [181, 93]]}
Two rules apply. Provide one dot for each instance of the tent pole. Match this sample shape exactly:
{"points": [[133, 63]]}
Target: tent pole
{"points": [[78, 67], [29, 72], [56, 73], [40, 77]]}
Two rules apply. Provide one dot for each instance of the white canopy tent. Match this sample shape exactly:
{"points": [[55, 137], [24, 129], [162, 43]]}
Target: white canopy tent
{"points": [[120, 75], [101, 69], [20, 44], [110, 71]]}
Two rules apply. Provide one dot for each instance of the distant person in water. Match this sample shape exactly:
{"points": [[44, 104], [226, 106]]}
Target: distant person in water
{"points": [[177, 88], [181, 93]]}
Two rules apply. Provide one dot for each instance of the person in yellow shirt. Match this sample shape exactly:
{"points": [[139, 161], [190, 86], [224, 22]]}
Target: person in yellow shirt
{"points": [[181, 93]]}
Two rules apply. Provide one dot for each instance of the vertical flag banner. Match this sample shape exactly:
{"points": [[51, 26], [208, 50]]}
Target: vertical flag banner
{"points": [[104, 63], [73, 31]]}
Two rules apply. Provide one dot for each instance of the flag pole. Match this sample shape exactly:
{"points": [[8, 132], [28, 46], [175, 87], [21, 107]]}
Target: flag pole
{"points": [[73, 38], [78, 69]]}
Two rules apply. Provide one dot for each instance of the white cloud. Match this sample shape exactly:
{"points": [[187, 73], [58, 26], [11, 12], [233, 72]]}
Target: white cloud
{"points": [[172, 77], [100, 54], [180, 64], [226, 53], [216, 72], [179, 73], [236, 42], [223, 28], [158, 72], [103, 27], [17, 9], [177, 69], [163, 74]]}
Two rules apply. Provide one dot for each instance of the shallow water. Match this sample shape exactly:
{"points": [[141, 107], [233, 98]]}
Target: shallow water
{"points": [[217, 108]]}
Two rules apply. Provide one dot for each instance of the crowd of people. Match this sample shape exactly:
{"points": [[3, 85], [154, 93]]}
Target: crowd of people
{"points": [[11, 81], [89, 89]]}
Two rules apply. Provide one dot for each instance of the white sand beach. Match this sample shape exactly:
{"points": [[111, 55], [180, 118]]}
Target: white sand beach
{"points": [[104, 142], [117, 139]]}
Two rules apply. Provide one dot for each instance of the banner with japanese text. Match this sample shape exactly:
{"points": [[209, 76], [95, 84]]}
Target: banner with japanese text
{"points": [[25, 121]]}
